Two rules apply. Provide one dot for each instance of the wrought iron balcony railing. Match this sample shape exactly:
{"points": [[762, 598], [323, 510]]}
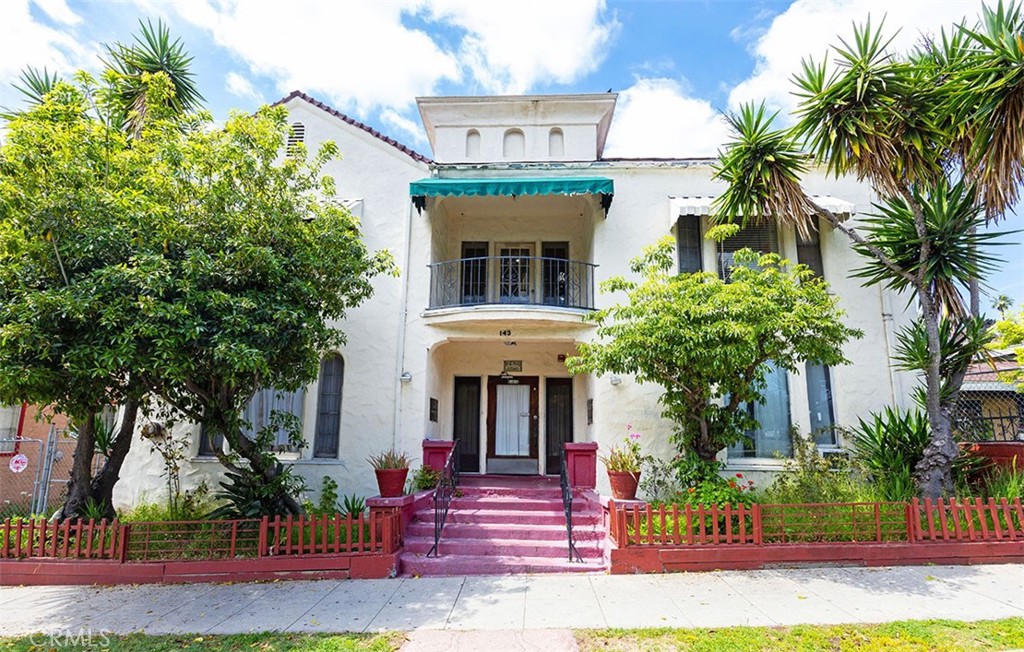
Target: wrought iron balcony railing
{"points": [[512, 280]]}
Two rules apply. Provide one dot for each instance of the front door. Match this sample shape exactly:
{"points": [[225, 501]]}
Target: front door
{"points": [[467, 422], [512, 425]]}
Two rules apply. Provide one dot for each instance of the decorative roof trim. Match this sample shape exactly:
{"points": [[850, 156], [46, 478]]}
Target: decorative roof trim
{"points": [[411, 153]]}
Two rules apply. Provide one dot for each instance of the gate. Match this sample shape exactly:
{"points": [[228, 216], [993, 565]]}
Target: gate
{"points": [[34, 473]]}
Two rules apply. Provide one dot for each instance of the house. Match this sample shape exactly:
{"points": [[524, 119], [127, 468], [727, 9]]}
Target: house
{"points": [[989, 408], [503, 237]]}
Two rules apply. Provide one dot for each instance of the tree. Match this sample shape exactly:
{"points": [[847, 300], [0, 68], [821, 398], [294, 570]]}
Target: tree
{"points": [[708, 342], [257, 264], [81, 173], [1002, 305], [1010, 334], [935, 132], [186, 262]]}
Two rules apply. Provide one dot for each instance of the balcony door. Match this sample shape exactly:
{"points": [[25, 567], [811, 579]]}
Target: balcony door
{"points": [[515, 283], [512, 425]]}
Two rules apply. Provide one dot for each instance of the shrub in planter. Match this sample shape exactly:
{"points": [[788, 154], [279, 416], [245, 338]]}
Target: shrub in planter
{"points": [[391, 469]]}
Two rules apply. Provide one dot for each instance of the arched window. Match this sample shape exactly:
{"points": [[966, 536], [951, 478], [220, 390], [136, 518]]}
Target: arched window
{"points": [[514, 145], [472, 145], [328, 406], [556, 143]]}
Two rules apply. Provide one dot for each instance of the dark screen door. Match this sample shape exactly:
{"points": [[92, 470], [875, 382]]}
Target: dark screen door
{"points": [[558, 420], [467, 422]]}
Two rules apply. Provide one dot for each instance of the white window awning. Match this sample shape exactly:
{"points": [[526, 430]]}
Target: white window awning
{"points": [[700, 205]]}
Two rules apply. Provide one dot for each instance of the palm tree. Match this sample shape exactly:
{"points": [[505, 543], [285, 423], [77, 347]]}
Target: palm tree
{"points": [[929, 131], [1001, 304], [132, 65]]}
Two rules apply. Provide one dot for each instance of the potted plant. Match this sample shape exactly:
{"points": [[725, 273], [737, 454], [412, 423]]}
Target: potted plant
{"points": [[623, 465], [391, 468]]}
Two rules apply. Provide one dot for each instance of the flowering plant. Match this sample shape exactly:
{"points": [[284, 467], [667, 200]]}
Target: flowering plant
{"points": [[628, 457]]}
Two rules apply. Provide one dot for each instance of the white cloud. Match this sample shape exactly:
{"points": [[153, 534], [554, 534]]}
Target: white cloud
{"points": [[655, 118], [59, 11], [401, 123], [240, 86], [361, 56], [811, 27], [26, 42], [357, 55], [511, 48]]}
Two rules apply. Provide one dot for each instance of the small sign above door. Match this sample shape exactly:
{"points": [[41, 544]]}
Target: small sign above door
{"points": [[513, 366]]}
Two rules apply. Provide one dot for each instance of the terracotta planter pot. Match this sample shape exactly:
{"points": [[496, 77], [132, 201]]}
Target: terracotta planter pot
{"points": [[391, 482], [624, 484]]}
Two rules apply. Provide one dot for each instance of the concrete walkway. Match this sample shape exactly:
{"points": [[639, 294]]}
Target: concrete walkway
{"points": [[441, 611]]}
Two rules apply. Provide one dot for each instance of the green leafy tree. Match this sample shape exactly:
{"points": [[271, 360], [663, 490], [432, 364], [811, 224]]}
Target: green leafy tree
{"points": [[187, 262], [936, 133], [709, 342], [1010, 335]]}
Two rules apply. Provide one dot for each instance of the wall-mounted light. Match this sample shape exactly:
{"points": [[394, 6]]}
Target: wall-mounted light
{"points": [[406, 377], [615, 380]]}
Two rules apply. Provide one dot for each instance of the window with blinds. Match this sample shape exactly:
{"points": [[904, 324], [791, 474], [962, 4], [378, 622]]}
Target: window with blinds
{"points": [[328, 406], [259, 414], [763, 238], [689, 245]]}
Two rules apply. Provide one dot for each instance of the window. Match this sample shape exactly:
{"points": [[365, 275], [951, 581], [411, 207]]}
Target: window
{"points": [[472, 145], [819, 382], [689, 245], [210, 443], [514, 144], [556, 270], [771, 438], [474, 272], [263, 405], [762, 238], [328, 406], [10, 420], [556, 143]]}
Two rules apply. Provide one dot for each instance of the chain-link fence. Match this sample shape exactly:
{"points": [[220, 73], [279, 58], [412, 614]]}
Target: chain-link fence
{"points": [[989, 408], [34, 473]]}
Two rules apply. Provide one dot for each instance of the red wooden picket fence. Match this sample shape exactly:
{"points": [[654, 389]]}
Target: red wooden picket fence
{"points": [[156, 541], [954, 519]]}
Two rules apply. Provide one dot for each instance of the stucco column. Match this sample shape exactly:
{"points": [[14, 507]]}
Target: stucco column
{"points": [[581, 461], [435, 453]]}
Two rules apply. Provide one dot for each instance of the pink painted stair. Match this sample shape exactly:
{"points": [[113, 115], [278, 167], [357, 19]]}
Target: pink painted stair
{"points": [[507, 525]]}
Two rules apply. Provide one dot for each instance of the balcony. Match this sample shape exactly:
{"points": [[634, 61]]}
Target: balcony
{"points": [[512, 281]]}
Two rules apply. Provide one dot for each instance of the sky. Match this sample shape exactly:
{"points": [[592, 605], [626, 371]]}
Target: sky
{"points": [[677, 65]]}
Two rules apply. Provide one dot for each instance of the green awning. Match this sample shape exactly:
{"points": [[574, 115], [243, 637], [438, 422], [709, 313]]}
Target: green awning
{"points": [[493, 187]]}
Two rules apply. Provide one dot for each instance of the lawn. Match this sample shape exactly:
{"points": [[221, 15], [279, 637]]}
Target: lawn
{"points": [[906, 636]]}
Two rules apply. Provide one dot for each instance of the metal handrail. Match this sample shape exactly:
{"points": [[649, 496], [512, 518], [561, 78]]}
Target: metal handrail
{"points": [[443, 495], [567, 507], [512, 280]]}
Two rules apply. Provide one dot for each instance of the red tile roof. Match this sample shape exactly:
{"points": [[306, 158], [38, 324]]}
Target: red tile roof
{"points": [[414, 155], [983, 371]]}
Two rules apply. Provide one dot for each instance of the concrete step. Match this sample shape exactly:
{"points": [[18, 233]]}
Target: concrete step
{"points": [[516, 503], [504, 531], [510, 517], [505, 547], [412, 565]]}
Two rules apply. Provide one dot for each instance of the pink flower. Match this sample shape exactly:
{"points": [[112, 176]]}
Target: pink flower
{"points": [[739, 475], [634, 435]]}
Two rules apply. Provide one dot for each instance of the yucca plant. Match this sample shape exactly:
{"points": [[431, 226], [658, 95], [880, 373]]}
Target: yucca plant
{"points": [[888, 446], [939, 134]]}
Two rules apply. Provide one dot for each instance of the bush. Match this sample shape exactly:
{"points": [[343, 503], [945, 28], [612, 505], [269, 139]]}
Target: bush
{"points": [[426, 477], [888, 447], [809, 477], [1003, 482], [191, 506]]}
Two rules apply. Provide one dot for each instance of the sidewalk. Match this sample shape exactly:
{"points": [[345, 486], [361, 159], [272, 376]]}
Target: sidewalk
{"points": [[526, 603]]}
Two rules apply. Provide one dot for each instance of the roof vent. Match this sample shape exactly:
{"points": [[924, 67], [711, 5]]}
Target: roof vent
{"points": [[295, 136]]}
